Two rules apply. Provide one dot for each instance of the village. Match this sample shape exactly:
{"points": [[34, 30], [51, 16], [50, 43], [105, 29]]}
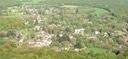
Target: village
{"points": [[69, 29], [53, 22]]}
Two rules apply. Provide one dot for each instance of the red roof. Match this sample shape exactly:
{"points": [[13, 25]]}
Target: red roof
{"points": [[126, 40]]}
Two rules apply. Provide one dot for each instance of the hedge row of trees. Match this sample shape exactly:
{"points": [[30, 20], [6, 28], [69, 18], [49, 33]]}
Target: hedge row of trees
{"points": [[8, 50]]}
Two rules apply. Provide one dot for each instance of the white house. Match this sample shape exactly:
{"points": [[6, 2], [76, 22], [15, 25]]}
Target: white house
{"points": [[97, 32], [79, 31], [91, 36]]}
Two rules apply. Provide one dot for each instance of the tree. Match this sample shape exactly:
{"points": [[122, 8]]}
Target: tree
{"points": [[54, 38], [6, 3], [68, 29], [62, 38], [120, 56], [80, 45], [3, 34], [65, 43]]}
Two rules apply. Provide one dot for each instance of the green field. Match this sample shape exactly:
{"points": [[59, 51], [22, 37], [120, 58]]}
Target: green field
{"points": [[97, 50], [98, 10], [33, 1], [70, 6]]}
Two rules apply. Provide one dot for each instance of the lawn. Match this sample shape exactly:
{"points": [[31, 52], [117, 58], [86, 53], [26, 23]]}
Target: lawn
{"points": [[33, 2], [36, 1], [88, 9], [99, 50], [99, 10], [70, 6]]}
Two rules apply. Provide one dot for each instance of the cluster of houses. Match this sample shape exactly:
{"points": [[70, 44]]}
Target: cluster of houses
{"points": [[41, 39], [15, 10], [81, 31], [47, 10]]}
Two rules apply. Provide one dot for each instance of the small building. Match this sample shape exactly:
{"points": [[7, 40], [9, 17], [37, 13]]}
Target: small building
{"points": [[37, 27], [97, 32], [56, 48], [126, 40], [91, 36], [79, 31]]}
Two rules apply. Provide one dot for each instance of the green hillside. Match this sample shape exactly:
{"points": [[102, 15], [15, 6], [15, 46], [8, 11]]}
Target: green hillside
{"points": [[119, 7]]}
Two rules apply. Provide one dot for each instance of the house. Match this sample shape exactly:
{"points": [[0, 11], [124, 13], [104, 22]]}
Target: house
{"points": [[22, 38], [67, 47], [21, 41], [39, 17], [105, 34], [41, 43], [97, 32], [46, 11], [79, 31], [56, 48], [77, 49], [36, 22], [37, 27], [91, 36], [120, 32], [126, 40], [72, 40]]}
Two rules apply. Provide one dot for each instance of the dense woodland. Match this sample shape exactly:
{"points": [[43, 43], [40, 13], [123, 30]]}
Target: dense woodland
{"points": [[63, 29]]}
